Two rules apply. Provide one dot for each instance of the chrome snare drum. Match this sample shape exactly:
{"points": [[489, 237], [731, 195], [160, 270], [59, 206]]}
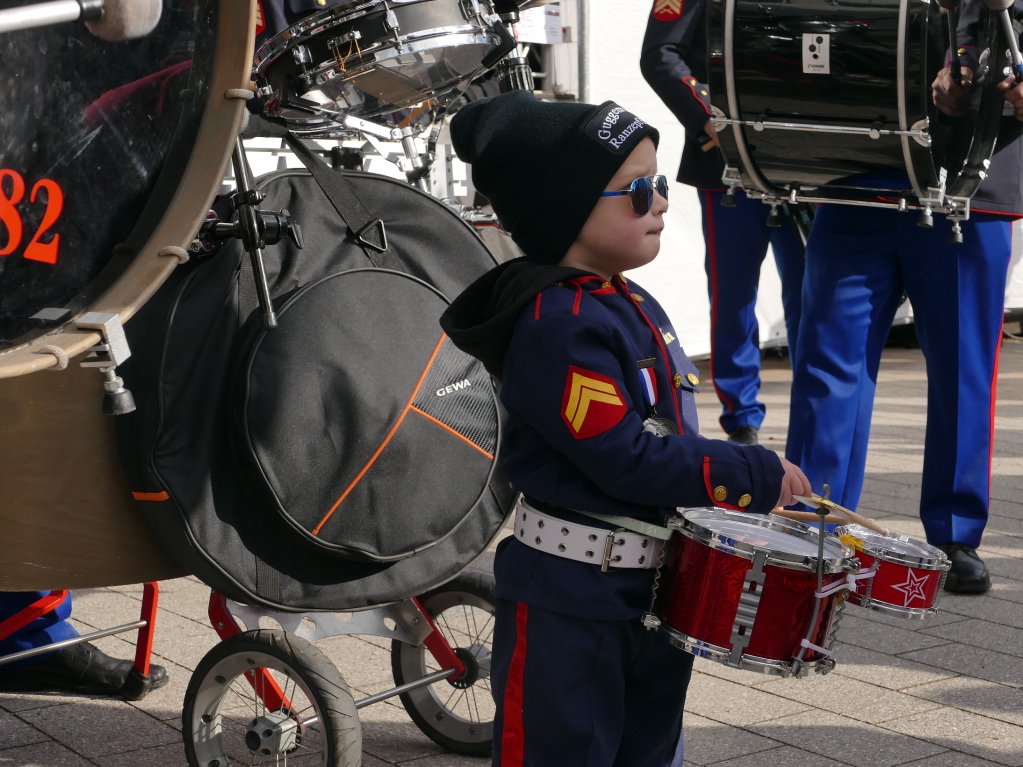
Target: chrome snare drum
{"points": [[365, 58], [909, 575], [741, 589]]}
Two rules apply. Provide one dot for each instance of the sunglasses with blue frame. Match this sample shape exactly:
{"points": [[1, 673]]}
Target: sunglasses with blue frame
{"points": [[641, 193]]}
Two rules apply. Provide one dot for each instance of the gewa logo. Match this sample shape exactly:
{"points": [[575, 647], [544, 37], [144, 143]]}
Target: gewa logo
{"points": [[452, 388]]}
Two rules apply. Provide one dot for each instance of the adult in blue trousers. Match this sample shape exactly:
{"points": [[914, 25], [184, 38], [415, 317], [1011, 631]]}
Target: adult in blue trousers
{"points": [[860, 262], [81, 668], [674, 63]]}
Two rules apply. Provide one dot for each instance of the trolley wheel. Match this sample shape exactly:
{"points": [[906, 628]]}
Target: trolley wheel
{"points": [[225, 724], [459, 714]]}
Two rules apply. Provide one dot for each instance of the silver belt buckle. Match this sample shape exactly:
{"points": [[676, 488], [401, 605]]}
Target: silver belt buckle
{"points": [[609, 544]]}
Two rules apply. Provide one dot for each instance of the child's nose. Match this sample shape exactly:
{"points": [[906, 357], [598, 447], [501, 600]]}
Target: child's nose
{"points": [[660, 204]]}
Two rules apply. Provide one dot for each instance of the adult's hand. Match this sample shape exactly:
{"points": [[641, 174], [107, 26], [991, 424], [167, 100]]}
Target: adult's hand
{"points": [[949, 96], [1013, 94], [708, 128]]}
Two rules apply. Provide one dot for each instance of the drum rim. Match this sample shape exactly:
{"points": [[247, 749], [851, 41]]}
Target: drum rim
{"points": [[692, 529], [873, 546], [718, 654], [314, 24], [912, 613]]}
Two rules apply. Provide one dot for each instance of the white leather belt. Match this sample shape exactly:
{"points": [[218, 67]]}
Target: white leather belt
{"points": [[582, 543]]}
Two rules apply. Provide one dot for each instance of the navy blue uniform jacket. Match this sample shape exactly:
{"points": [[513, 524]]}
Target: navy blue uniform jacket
{"points": [[674, 63], [569, 349]]}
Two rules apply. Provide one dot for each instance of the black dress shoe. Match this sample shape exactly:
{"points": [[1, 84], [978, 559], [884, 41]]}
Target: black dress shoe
{"points": [[744, 435], [81, 668], [969, 573]]}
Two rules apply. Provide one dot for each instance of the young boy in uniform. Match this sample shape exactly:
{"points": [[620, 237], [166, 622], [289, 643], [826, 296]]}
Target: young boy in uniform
{"points": [[601, 420]]}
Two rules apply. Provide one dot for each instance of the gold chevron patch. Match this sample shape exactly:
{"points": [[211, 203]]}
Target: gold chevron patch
{"points": [[592, 403], [667, 10]]}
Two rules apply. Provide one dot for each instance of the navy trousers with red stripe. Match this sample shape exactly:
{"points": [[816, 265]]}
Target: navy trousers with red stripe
{"points": [[574, 692], [859, 263], [737, 240]]}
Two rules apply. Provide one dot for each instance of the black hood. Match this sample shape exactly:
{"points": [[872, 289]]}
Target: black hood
{"points": [[481, 320]]}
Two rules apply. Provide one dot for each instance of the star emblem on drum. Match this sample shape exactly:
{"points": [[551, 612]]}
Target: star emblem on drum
{"points": [[913, 588]]}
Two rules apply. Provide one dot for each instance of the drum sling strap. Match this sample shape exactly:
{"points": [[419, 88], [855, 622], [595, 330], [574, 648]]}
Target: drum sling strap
{"points": [[628, 523], [369, 232]]}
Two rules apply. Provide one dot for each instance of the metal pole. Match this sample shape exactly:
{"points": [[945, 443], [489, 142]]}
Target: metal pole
{"points": [[582, 11], [40, 15]]}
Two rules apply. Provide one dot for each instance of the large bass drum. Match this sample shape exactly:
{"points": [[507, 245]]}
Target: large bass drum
{"points": [[111, 154], [810, 92]]}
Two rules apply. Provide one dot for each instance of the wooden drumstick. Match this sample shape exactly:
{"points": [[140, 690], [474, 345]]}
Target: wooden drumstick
{"points": [[809, 516], [817, 502]]}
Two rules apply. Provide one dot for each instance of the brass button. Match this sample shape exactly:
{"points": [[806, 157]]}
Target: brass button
{"points": [[693, 379], [321, 2], [605, 285], [720, 493], [559, 284], [638, 298], [745, 500], [677, 380]]}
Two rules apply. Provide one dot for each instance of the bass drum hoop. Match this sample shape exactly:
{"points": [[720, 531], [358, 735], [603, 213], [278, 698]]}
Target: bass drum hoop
{"points": [[219, 124]]}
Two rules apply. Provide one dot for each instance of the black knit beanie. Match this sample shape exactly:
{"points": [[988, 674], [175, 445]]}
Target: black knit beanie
{"points": [[542, 164]]}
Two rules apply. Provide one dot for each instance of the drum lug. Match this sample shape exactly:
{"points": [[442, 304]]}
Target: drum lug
{"points": [[919, 131], [302, 55], [825, 666], [107, 355], [749, 603], [934, 198], [651, 621], [113, 349], [733, 180]]}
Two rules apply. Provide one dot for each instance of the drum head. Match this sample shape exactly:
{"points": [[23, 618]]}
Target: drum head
{"points": [[792, 544], [106, 145], [893, 547]]}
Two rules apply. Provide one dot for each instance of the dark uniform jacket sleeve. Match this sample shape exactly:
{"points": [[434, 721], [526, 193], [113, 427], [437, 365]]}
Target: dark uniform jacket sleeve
{"points": [[573, 379], [672, 63]]}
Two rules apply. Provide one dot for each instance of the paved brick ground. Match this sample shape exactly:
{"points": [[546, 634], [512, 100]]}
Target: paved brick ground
{"points": [[945, 692]]}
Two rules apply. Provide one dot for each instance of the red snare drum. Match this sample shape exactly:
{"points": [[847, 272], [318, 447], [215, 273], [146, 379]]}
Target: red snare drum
{"points": [[910, 573], [740, 589]]}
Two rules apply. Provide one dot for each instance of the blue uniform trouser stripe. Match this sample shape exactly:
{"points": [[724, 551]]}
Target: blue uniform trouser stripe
{"points": [[595, 693], [859, 263], [51, 627], [737, 240]]}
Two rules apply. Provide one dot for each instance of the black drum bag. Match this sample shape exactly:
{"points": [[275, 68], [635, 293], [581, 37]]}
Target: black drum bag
{"points": [[346, 458]]}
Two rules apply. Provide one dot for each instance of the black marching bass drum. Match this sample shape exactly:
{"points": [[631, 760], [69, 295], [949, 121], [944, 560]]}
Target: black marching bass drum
{"points": [[809, 92]]}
